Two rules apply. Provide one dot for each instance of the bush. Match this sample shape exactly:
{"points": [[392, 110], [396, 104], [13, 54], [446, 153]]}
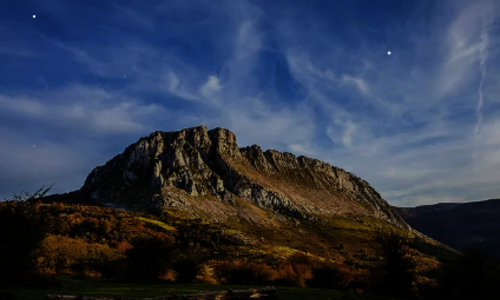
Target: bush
{"points": [[121, 246], [288, 277], [149, 257], [297, 269], [57, 207], [61, 254], [105, 226], [261, 273], [327, 276], [247, 273], [206, 276], [299, 258]]}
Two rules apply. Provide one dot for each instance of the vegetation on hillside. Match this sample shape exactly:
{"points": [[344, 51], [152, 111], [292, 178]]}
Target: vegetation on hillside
{"points": [[37, 240]]}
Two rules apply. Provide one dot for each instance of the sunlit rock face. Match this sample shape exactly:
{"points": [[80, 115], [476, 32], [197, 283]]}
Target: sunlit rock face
{"points": [[192, 167]]}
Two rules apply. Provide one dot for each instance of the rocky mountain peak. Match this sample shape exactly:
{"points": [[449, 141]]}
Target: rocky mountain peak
{"points": [[177, 169]]}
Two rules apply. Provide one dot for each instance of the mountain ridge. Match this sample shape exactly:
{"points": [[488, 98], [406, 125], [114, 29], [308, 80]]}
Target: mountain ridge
{"points": [[209, 164]]}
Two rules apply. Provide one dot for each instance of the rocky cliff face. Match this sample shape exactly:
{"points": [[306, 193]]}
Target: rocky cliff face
{"points": [[197, 169]]}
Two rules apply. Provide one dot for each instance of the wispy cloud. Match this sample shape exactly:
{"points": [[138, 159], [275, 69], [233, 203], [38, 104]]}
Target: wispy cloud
{"points": [[85, 107], [465, 42], [358, 83], [211, 87], [482, 66], [421, 125], [422, 151]]}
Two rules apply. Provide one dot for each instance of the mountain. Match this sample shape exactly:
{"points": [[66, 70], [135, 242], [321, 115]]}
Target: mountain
{"points": [[261, 206], [202, 173], [459, 224]]}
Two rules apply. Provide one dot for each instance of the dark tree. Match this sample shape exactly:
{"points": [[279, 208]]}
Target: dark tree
{"points": [[186, 266], [23, 227], [149, 257], [326, 276], [473, 275], [397, 271]]}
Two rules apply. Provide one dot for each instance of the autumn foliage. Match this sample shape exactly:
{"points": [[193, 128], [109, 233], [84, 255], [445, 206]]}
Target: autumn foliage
{"points": [[92, 241]]}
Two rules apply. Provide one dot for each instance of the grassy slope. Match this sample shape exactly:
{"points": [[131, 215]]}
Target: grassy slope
{"points": [[320, 238], [98, 287]]}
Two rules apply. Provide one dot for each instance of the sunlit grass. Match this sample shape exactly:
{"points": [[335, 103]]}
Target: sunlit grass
{"points": [[159, 223]]}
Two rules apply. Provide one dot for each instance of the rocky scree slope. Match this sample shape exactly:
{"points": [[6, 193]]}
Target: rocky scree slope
{"points": [[203, 172]]}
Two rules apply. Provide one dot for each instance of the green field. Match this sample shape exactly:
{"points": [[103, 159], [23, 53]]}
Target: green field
{"points": [[98, 287]]}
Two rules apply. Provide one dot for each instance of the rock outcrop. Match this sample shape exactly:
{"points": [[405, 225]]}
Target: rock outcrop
{"points": [[173, 169]]}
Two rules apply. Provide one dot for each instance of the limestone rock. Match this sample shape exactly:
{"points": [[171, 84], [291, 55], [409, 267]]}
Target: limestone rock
{"points": [[208, 163]]}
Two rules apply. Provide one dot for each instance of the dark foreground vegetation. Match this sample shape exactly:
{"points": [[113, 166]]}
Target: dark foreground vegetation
{"points": [[108, 288], [67, 249]]}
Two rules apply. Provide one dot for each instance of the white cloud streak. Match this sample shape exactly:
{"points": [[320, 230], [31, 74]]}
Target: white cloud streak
{"points": [[466, 41], [483, 54], [402, 124], [359, 83], [77, 106]]}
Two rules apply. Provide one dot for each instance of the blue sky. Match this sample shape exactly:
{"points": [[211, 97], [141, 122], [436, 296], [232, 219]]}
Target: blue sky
{"points": [[86, 78]]}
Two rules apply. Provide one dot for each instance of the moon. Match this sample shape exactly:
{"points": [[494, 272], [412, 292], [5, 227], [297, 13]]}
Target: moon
{"points": [[388, 52]]}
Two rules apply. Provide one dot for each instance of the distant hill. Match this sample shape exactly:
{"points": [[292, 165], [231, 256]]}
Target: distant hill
{"points": [[459, 224]]}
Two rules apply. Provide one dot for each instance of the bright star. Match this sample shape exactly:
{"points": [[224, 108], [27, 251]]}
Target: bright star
{"points": [[34, 16], [388, 52]]}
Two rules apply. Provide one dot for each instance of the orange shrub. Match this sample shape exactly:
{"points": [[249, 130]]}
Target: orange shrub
{"points": [[262, 273], [63, 227], [288, 277], [206, 276], [60, 254], [297, 269], [57, 207], [169, 276], [302, 270], [239, 272], [121, 246], [91, 223], [105, 226]]}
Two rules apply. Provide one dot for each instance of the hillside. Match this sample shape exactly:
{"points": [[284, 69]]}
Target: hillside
{"points": [[459, 224]]}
